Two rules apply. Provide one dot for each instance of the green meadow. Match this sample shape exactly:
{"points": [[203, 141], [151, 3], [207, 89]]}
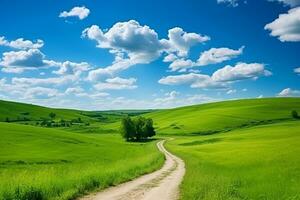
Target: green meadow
{"points": [[241, 149], [260, 162], [46, 163]]}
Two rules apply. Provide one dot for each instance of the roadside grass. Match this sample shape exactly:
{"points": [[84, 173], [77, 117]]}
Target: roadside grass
{"points": [[42, 163], [261, 162]]}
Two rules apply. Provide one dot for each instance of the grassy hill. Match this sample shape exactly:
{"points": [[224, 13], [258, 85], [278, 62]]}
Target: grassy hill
{"points": [[260, 162], [223, 116], [41, 163]]}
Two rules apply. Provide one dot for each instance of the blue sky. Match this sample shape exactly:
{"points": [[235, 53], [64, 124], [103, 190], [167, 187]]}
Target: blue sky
{"points": [[99, 55]]}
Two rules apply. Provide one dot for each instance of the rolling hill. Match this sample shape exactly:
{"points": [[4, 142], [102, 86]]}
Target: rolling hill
{"points": [[223, 116], [42, 163]]}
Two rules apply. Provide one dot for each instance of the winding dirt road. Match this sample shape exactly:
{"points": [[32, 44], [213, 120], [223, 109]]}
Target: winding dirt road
{"points": [[162, 184]]}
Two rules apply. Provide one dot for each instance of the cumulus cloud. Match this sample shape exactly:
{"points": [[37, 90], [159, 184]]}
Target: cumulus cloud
{"points": [[21, 43], [233, 3], [139, 42], [168, 99], [40, 92], [132, 44], [240, 71], [31, 58], [286, 26], [69, 67], [219, 79], [218, 55], [180, 42], [288, 92], [80, 12], [193, 79], [211, 56], [111, 70], [116, 83], [181, 64], [291, 3]]}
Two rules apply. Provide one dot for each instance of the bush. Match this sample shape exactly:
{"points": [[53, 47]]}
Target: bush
{"points": [[137, 129], [295, 114]]}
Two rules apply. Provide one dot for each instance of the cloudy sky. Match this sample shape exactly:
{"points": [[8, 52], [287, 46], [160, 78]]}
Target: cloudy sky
{"points": [[114, 54]]}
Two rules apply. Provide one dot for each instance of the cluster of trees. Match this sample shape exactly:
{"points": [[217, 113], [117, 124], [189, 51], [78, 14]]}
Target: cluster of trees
{"points": [[61, 123], [137, 129]]}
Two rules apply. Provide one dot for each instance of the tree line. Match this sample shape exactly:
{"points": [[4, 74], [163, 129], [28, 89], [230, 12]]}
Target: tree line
{"points": [[137, 129]]}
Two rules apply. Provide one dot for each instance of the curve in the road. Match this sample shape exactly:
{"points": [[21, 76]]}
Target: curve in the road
{"points": [[162, 184]]}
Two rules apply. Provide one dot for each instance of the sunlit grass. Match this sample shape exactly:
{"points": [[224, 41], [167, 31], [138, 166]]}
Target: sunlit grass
{"points": [[253, 163], [41, 163]]}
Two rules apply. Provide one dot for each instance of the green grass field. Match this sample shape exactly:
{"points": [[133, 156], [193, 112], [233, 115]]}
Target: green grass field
{"points": [[43, 163], [261, 162], [242, 149], [223, 116]]}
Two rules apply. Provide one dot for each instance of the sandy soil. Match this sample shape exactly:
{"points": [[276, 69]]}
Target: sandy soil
{"points": [[162, 184]]}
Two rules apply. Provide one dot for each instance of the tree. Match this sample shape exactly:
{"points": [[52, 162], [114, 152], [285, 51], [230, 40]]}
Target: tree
{"points": [[295, 114], [137, 129], [127, 128], [52, 115]]}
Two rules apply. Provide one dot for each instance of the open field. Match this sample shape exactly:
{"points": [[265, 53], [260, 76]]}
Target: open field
{"points": [[242, 149], [43, 163], [223, 116], [253, 163]]}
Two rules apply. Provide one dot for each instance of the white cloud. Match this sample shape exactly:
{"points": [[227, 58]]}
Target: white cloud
{"points": [[54, 81], [170, 58], [218, 55], [194, 80], [231, 92], [111, 70], [168, 99], [240, 71], [132, 44], [21, 43], [211, 56], [181, 64], [29, 58], [286, 26], [180, 42], [40, 92], [69, 67], [233, 3], [291, 3], [140, 43], [297, 70], [116, 83], [74, 90], [80, 12], [288, 92]]}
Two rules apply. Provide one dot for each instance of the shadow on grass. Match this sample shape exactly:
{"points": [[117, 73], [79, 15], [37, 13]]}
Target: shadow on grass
{"points": [[143, 140]]}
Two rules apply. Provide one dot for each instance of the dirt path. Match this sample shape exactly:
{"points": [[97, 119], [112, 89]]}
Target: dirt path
{"points": [[162, 184]]}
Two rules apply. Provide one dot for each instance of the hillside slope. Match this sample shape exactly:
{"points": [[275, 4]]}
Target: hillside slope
{"points": [[222, 116], [43, 163]]}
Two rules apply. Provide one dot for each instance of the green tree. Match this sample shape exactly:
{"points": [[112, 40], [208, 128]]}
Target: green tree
{"points": [[137, 129], [127, 128], [295, 114], [52, 115]]}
